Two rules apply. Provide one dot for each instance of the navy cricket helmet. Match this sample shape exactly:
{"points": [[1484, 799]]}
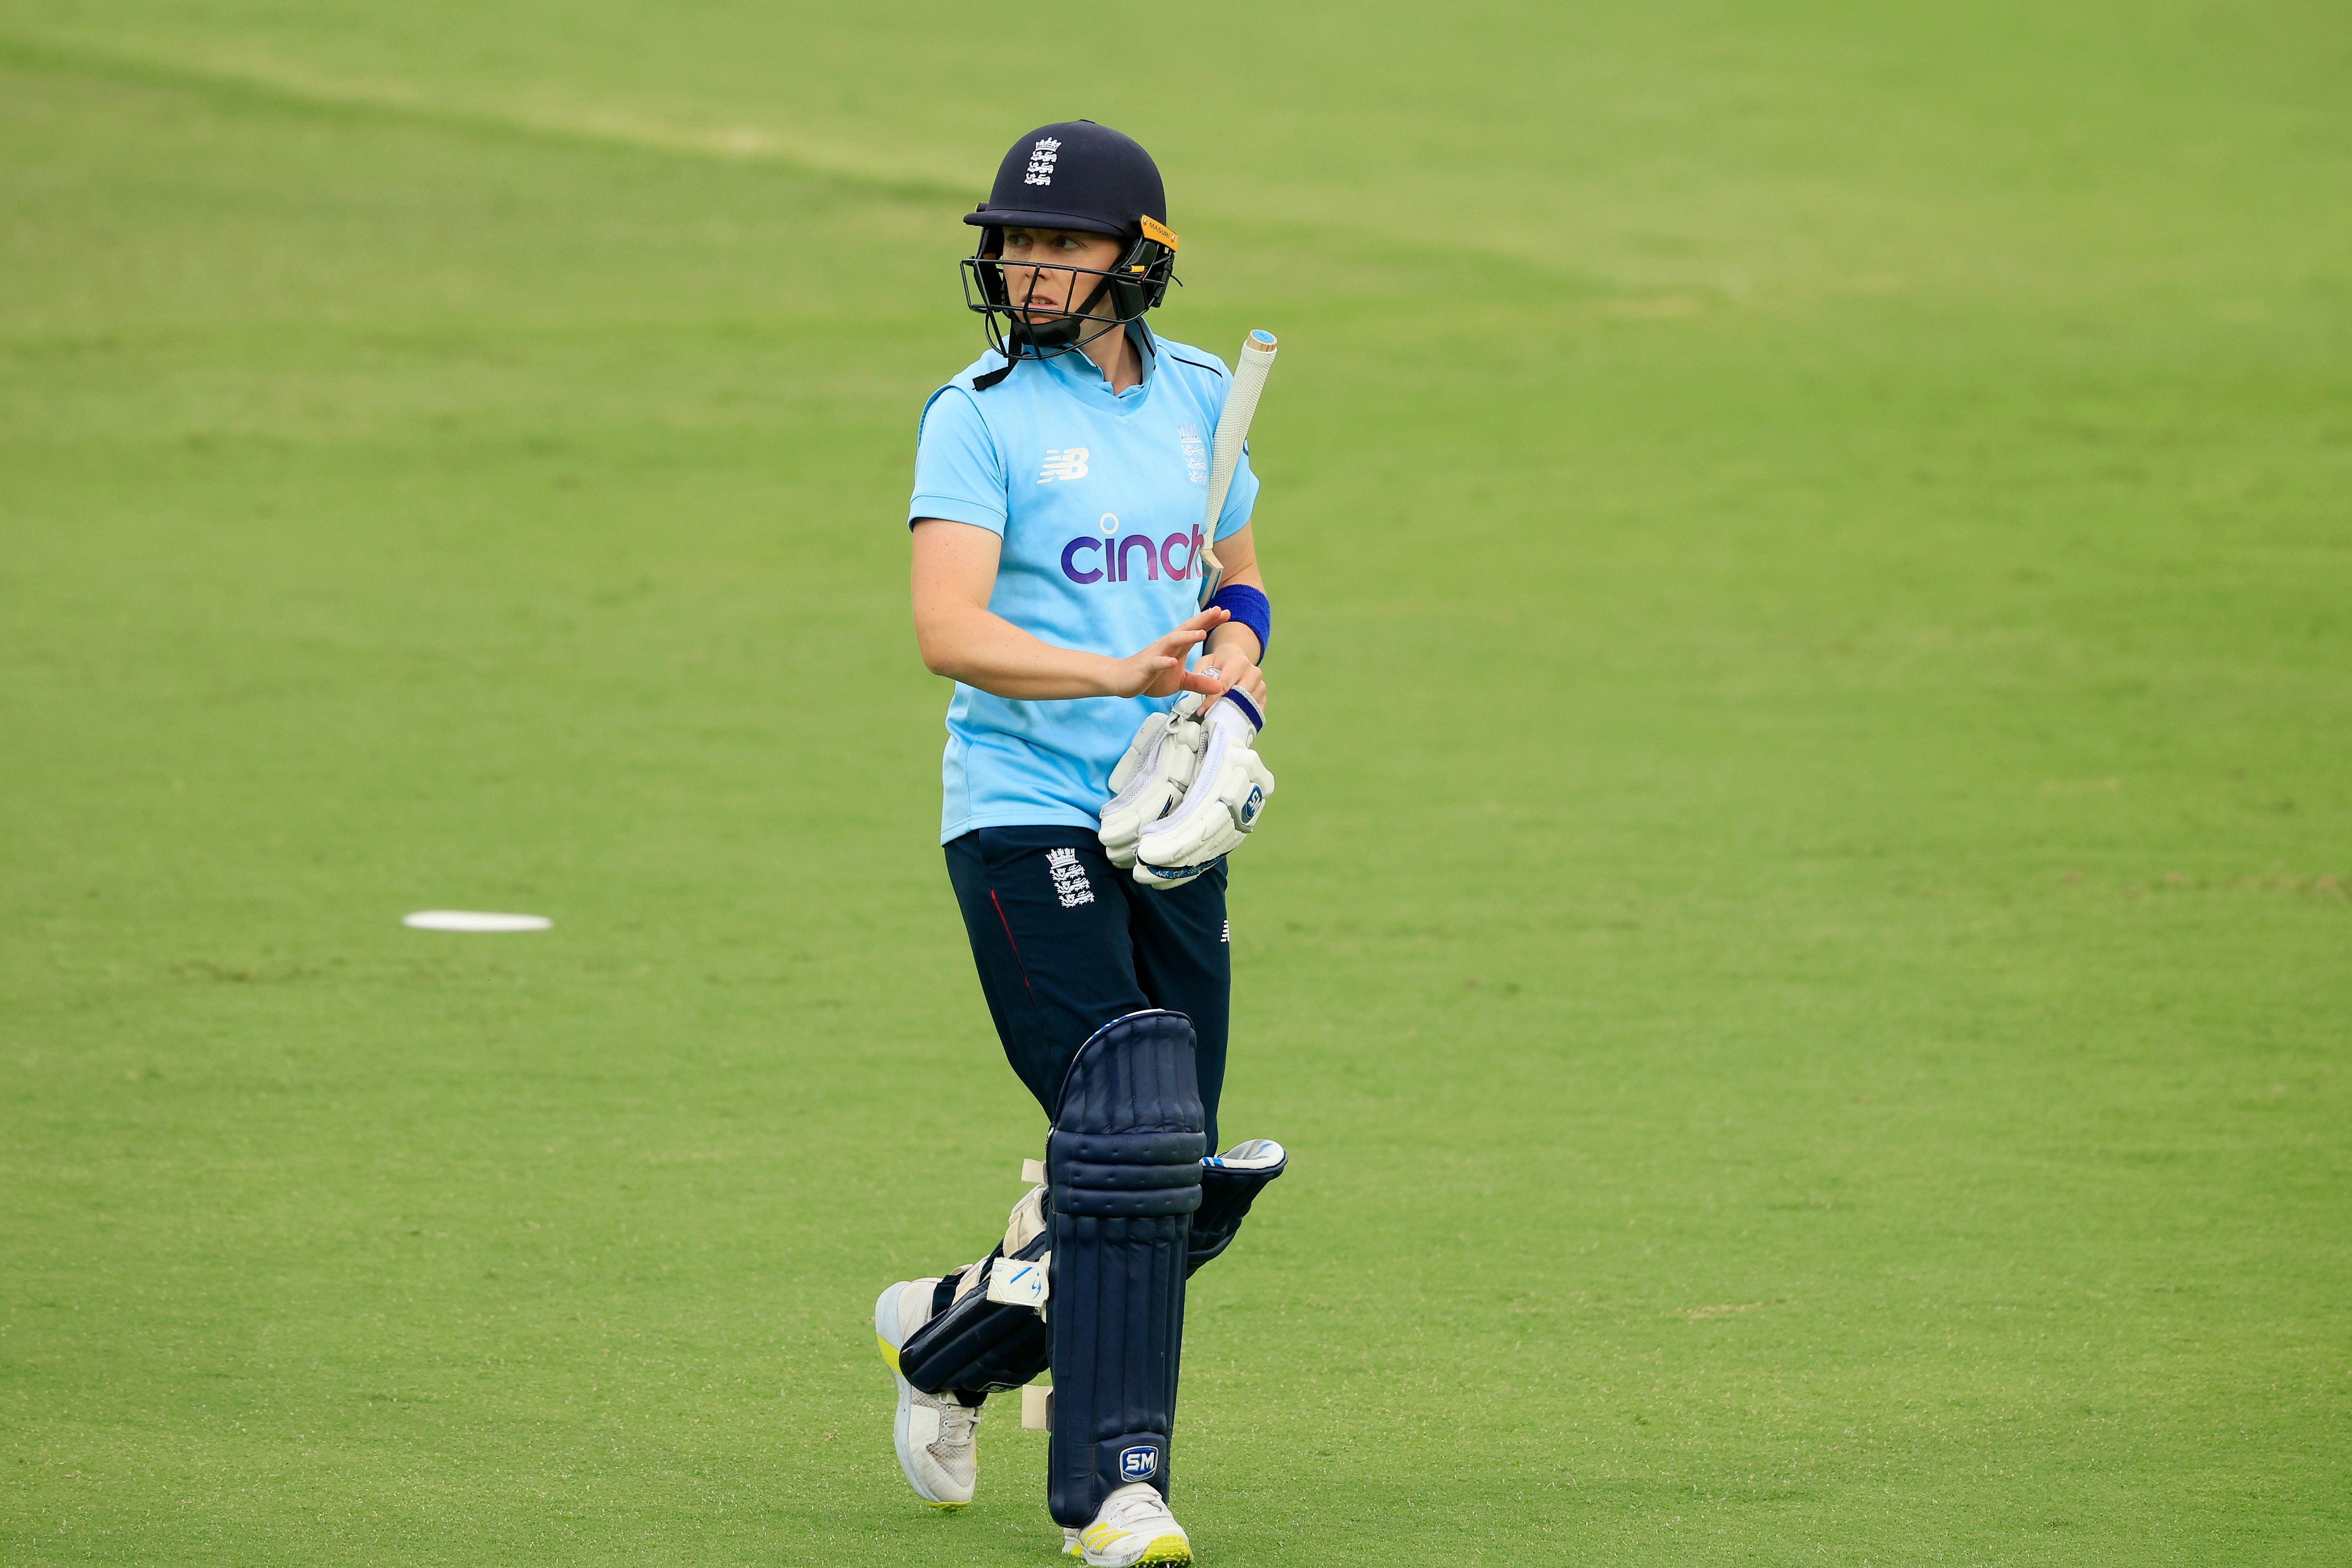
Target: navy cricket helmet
{"points": [[1078, 175]]}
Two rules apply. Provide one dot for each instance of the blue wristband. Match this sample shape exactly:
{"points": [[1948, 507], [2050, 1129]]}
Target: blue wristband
{"points": [[1251, 608]]}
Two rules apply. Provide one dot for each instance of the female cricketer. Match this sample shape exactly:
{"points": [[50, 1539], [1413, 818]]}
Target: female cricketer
{"points": [[1100, 765]]}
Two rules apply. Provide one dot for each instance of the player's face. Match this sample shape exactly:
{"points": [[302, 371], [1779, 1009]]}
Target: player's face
{"points": [[1034, 282]]}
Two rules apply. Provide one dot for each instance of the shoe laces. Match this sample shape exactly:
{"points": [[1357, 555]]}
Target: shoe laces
{"points": [[1135, 1508], [958, 1425]]}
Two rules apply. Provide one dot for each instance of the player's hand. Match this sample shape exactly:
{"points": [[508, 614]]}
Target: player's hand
{"points": [[1232, 672], [1158, 671]]}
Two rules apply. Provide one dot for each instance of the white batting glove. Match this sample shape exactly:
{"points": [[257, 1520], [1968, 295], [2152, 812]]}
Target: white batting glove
{"points": [[1150, 779], [1220, 807]]}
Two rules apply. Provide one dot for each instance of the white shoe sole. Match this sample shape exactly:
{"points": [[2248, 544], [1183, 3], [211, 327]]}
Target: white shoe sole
{"points": [[1167, 1549], [885, 1331]]}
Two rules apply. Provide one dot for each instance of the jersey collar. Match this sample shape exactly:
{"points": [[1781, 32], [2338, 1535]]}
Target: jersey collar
{"points": [[1089, 383]]}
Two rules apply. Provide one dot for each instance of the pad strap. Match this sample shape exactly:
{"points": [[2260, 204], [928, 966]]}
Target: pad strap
{"points": [[978, 1346]]}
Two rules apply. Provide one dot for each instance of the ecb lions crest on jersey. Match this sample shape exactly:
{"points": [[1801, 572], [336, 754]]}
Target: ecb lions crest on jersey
{"points": [[1196, 453]]}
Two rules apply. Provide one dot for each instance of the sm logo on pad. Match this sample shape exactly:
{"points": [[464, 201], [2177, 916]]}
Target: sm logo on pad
{"points": [[1139, 1464]]}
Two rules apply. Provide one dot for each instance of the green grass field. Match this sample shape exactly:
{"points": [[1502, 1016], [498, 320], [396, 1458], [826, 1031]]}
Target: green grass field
{"points": [[1802, 953]]}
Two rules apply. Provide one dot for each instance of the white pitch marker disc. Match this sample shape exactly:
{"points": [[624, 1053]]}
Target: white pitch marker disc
{"points": [[473, 920]]}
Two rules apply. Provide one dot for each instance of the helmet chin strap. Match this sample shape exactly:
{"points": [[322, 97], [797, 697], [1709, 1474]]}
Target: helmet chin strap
{"points": [[1063, 332]]}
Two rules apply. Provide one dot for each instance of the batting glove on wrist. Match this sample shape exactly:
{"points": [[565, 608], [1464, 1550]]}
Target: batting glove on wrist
{"points": [[1220, 806]]}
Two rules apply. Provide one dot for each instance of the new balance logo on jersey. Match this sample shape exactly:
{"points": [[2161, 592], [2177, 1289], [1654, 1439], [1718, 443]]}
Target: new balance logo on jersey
{"points": [[1070, 883], [1041, 161], [1063, 463]]}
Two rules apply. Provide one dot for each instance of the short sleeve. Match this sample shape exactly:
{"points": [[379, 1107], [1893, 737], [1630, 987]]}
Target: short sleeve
{"points": [[958, 476]]}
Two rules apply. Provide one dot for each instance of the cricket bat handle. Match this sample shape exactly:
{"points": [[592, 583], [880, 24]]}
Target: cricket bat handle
{"points": [[1233, 434]]}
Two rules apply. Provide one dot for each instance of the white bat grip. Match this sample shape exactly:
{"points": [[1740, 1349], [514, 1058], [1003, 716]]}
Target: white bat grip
{"points": [[1233, 432]]}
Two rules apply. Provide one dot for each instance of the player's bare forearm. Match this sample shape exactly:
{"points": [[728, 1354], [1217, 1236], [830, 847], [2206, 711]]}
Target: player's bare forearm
{"points": [[953, 575], [985, 650], [1235, 637]]}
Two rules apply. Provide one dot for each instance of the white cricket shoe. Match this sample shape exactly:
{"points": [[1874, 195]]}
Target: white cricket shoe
{"points": [[938, 1439], [1133, 1525]]}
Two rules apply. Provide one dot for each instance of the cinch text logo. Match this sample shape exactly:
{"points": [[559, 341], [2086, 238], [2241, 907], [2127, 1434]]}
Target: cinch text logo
{"points": [[1063, 463], [1139, 1464], [1087, 559]]}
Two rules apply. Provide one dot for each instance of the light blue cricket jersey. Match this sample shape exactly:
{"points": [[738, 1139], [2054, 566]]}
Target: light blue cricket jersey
{"points": [[1099, 500]]}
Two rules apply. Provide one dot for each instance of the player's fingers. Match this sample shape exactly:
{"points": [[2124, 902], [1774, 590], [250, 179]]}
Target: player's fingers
{"points": [[1179, 642], [1207, 686], [1208, 620]]}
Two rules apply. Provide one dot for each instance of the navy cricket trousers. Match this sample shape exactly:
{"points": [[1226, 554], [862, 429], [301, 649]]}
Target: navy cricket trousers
{"points": [[1066, 941]]}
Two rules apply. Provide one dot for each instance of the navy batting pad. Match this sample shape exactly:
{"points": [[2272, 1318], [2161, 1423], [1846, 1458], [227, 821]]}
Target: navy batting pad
{"points": [[1123, 1165], [1230, 1182]]}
